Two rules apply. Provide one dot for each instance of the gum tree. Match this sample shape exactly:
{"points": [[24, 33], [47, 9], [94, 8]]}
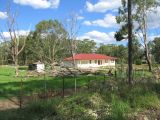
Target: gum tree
{"points": [[139, 17]]}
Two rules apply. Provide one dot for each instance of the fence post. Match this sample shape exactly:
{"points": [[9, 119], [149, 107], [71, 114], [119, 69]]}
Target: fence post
{"points": [[104, 77], [115, 74], [88, 82], [45, 86], [63, 86], [75, 83], [20, 97]]}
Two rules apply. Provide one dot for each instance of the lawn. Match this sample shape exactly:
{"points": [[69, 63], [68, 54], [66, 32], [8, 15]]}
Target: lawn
{"points": [[10, 85]]}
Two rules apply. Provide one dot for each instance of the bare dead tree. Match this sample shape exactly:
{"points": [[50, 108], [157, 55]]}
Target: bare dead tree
{"points": [[16, 49], [72, 28]]}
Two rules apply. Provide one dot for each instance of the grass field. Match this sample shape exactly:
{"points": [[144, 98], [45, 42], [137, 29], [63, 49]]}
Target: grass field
{"points": [[10, 85], [112, 99]]}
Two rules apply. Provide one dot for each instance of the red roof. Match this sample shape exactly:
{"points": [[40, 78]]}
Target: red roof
{"points": [[90, 57]]}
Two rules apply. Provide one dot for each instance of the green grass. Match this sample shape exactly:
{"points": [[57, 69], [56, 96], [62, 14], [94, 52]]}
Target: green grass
{"points": [[112, 99], [10, 85], [117, 104]]}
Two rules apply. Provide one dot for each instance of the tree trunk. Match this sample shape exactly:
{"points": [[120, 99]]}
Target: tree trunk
{"points": [[73, 53], [74, 63], [16, 66], [145, 38], [149, 64], [21, 94], [129, 42], [148, 58]]}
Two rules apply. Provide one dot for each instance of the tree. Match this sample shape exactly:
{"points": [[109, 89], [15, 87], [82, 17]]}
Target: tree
{"points": [[4, 53], [139, 17], [85, 46], [155, 46], [130, 60], [72, 28], [15, 48], [54, 36], [47, 41], [125, 16], [121, 54], [137, 51], [118, 51], [110, 50]]}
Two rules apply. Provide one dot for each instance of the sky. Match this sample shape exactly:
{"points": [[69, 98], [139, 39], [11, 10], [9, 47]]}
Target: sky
{"points": [[96, 18]]}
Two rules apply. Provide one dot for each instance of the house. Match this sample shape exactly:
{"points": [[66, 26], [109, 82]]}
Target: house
{"points": [[89, 61], [37, 66]]}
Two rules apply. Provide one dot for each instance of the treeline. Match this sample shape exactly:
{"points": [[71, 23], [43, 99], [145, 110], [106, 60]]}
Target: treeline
{"points": [[49, 43]]}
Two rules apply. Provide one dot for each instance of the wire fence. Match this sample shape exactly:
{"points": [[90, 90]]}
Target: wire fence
{"points": [[44, 86]]}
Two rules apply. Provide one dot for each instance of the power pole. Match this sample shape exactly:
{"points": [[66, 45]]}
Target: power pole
{"points": [[130, 42]]}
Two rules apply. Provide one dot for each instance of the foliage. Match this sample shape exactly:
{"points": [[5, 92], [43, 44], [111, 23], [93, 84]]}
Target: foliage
{"points": [[139, 19], [138, 62], [155, 47], [85, 46], [119, 51], [48, 39]]}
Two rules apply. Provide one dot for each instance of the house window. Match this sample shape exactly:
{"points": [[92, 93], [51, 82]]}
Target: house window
{"points": [[90, 61], [95, 61], [84, 62], [99, 62]]}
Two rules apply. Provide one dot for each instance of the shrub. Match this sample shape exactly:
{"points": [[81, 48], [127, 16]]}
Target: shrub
{"points": [[91, 106], [138, 62]]}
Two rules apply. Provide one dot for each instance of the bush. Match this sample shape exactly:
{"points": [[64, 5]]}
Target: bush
{"points": [[138, 62], [91, 106]]}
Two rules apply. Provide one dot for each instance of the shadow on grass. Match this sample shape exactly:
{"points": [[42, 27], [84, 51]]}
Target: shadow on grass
{"points": [[31, 85], [31, 112]]}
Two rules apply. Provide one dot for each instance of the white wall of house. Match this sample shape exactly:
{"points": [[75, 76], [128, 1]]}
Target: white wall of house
{"points": [[87, 64]]}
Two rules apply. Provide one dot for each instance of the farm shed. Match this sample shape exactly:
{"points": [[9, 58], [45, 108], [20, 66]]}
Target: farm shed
{"points": [[37, 66]]}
